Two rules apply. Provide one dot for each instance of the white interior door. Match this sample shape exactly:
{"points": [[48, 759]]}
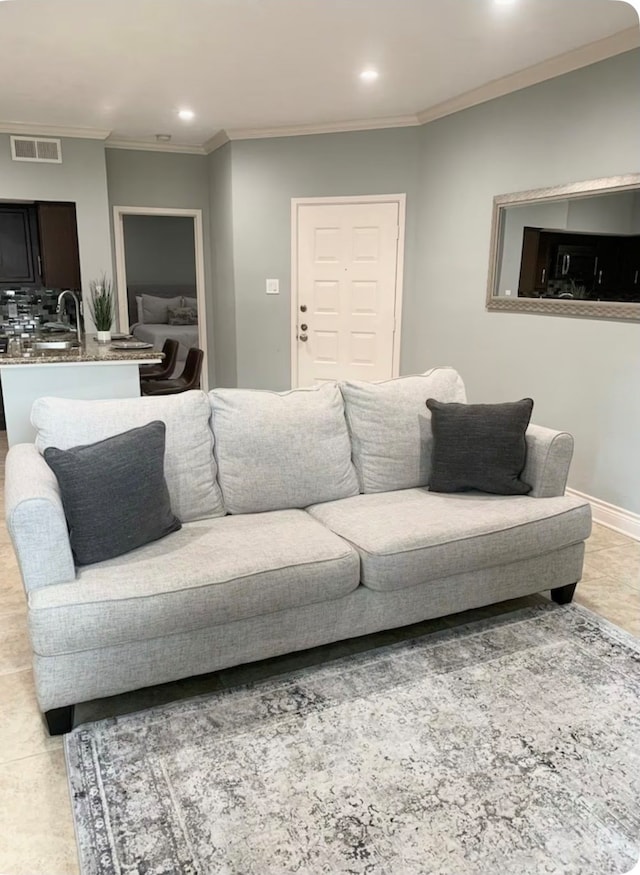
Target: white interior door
{"points": [[347, 274]]}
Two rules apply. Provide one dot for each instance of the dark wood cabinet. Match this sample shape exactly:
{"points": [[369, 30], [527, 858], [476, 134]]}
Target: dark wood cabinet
{"points": [[39, 246], [534, 265], [19, 249], [630, 268], [570, 264], [574, 258], [59, 245]]}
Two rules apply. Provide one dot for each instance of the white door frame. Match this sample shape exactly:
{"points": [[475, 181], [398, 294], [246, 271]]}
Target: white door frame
{"points": [[296, 203], [121, 270]]}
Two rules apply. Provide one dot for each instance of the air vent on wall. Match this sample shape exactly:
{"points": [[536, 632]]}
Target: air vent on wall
{"points": [[36, 149]]}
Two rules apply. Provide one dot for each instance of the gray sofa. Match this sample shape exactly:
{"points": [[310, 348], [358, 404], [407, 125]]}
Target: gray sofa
{"points": [[306, 520]]}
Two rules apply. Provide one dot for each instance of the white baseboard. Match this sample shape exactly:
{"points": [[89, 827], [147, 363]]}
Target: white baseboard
{"points": [[617, 518]]}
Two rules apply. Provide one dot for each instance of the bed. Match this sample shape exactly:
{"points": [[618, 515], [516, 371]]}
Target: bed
{"points": [[149, 304]]}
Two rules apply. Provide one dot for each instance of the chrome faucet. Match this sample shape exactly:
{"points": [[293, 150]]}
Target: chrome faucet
{"points": [[78, 313]]}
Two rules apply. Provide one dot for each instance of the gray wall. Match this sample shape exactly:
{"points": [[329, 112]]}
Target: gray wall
{"points": [[80, 178], [266, 174], [160, 249], [607, 214], [224, 297], [166, 179], [583, 374], [553, 215]]}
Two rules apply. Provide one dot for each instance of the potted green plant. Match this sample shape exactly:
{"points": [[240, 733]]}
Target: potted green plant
{"points": [[101, 307]]}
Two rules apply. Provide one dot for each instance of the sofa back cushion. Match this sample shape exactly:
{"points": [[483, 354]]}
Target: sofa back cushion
{"points": [[390, 427], [281, 449], [189, 464]]}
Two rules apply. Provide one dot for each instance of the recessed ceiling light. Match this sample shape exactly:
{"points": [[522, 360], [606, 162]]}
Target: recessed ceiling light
{"points": [[369, 75], [186, 114], [504, 2]]}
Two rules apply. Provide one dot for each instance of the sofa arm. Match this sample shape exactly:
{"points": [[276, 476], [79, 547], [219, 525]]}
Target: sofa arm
{"points": [[36, 520], [548, 458]]}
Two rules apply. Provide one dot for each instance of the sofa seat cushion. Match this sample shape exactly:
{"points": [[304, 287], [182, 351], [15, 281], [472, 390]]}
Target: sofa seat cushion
{"points": [[209, 573], [408, 537]]}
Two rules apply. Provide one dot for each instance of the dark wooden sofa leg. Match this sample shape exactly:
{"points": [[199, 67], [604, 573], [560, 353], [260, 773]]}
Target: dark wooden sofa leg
{"points": [[60, 720], [563, 594]]}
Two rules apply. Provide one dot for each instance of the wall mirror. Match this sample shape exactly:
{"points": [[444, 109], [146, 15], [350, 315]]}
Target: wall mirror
{"points": [[573, 250]]}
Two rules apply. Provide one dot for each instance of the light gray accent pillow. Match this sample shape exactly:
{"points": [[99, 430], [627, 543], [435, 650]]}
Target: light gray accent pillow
{"points": [[190, 302], [391, 427], [189, 464], [281, 449], [154, 309]]}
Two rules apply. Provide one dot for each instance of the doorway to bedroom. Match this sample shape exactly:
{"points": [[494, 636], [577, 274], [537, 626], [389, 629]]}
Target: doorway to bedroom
{"points": [[160, 278]]}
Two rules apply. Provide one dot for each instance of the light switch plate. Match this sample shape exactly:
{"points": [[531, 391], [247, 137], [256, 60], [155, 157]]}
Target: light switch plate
{"points": [[273, 287]]}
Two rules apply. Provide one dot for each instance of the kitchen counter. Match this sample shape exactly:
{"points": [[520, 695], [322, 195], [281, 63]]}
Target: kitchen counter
{"points": [[90, 351], [92, 371]]}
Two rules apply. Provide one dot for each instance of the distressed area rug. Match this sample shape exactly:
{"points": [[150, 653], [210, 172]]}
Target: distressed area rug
{"points": [[505, 747]]}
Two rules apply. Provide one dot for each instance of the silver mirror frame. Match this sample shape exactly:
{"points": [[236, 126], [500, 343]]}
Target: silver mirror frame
{"points": [[588, 309]]}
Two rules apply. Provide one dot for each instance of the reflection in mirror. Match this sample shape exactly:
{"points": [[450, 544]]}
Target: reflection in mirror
{"points": [[577, 244]]}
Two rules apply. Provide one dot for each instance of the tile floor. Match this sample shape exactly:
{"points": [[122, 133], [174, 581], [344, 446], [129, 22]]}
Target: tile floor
{"points": [[36, 832]]}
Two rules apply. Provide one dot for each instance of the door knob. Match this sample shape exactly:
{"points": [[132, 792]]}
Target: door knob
{"points": [[303, 338], [304, 326]]}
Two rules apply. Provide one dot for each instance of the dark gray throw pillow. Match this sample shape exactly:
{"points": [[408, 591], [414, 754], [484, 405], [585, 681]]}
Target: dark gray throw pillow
{"points": [[479, 446], [114, 494]]}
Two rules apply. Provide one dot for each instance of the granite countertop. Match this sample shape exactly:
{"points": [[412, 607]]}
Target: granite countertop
{"points": [[90, 352]]}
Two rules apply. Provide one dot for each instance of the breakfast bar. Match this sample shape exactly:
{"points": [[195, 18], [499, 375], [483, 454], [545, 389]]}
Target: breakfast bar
{"points": [[90, 370]]}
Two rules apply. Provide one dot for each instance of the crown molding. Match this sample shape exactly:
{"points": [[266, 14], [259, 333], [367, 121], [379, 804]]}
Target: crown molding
{"points": [[216, 141], [147, 146], [592, 53], [32, 130], [398, 121], [600, 50]]}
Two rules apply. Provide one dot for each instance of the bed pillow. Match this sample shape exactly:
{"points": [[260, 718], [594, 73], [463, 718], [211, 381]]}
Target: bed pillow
{"points": [[190, 302], [154, 309], [114, 493], [182, 316], [479, 446]]}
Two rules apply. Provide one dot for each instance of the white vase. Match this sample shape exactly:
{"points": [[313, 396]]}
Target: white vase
{"points": [[104, 336]]}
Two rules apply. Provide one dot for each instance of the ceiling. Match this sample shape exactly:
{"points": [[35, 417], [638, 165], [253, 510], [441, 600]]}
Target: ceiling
{"points": [[123, 68]]}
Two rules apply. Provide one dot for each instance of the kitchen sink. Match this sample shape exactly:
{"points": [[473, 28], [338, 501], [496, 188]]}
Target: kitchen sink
{"points": [[43, 345]]}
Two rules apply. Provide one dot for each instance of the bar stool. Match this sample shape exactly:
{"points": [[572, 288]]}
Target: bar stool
{"points": [[164, 370], [188, 379]]}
